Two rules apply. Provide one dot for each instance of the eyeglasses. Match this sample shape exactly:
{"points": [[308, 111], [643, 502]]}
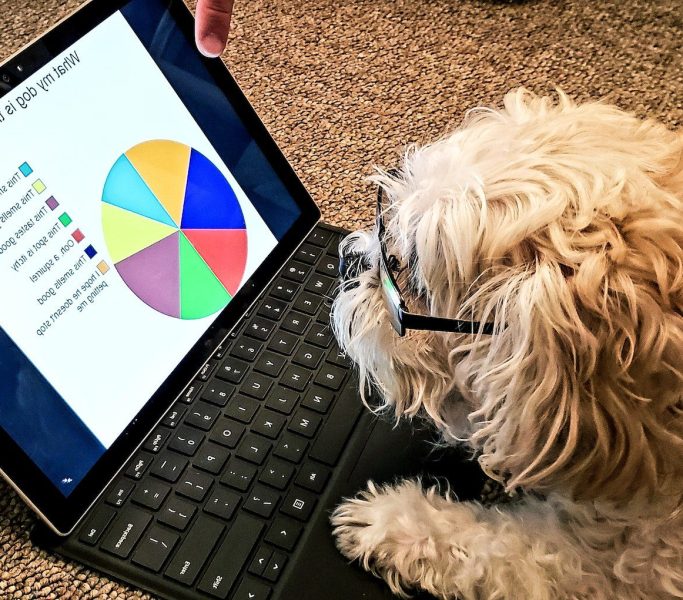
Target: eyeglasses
{"points": [[401, 319]]}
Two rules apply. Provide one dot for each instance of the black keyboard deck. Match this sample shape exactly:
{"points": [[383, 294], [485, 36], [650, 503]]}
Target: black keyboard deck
{"points": [[220, 493]]}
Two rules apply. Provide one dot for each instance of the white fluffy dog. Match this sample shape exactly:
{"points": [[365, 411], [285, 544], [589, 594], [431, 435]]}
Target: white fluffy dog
{"points": [[562, 225]]}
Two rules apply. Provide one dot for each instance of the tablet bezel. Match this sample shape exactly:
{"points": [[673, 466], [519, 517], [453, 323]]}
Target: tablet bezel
{"points": [[61, 513]]}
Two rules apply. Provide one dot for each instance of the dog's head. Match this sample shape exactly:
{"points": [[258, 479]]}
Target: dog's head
{"points": [[563, 226]]}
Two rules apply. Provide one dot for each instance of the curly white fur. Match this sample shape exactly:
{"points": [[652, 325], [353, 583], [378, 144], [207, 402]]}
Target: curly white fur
{"points": [[563, 225]]}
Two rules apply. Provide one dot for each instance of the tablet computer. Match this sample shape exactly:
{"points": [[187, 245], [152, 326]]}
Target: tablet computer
{"points": [[143, 207]]}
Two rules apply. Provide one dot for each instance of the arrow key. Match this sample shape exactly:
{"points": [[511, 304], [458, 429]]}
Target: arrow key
{"points": [[252, 590], [284, 533], [272, 571], [260, 562]]}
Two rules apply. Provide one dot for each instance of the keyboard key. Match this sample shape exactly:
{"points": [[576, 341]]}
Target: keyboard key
{"points": [[305, 422], [169, 466], [296, 271], [242, 408], [320, 237], [238, 475], [256, 385], [94, 527], [336, 431], [318, 399], [190, 393], [272, 308], [308, 303], [218, 392], [254, 449], [227, 564], [308, 356], [284, 533], [296, 322], [268, 424], [329, 266], [151, 494], [202, 416], [262, 501], [340, 359], [194, 485], [222, 503], [120, 493], [291, 447], [299, 504], [284, 290], [186, 440], [308, 254], [260, 560], [319, 284], [155, 547], [126, 531], [283, 342], [211, 458], [282, 400], [270, 364], [260, 328], [275, 565], [313, 476], [296, 378], [227, 432], [250, 589], [330, 376], [177, 513], [139, 465], [156, 440], [174, 415], [246, 349], [207, 370], [232, 370], [320, 335], [195, 550], [277, 474]]}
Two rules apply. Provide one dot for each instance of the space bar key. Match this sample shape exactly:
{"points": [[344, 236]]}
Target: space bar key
{"points": [[231, 556], [335, 433]]}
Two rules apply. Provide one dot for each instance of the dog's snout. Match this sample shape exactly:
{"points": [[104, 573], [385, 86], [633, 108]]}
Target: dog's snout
{"points": [[352, 264]]}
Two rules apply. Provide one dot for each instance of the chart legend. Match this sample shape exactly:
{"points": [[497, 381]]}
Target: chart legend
{"points": [[25, 169], [174, 229], [102, 267], [91, 252], [78, 236], [39, 186], [52, 204], [65, 219]]}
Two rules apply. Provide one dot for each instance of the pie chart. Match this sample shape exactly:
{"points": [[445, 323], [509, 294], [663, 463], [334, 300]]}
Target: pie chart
{"points": [[174, 229]]}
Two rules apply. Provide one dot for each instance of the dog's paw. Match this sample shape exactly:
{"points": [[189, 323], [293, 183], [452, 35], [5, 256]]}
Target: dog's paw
{"points": [[390, 531]]}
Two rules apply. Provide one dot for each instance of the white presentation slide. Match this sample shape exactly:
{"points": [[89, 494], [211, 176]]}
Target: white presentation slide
{"points": [[122, 232]]}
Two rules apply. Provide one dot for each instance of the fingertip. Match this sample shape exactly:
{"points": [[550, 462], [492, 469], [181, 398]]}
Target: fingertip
{"points": [[210, 45]]}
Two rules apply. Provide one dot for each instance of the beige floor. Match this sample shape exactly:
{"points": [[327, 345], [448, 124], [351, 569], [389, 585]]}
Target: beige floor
{"points": [[347, 84]]}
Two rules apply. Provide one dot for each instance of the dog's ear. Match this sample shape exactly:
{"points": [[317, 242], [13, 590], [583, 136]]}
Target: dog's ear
{"points": [[583, 389]]}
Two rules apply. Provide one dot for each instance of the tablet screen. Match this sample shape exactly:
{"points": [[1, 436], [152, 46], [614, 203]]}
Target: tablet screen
{"points": [[133, 209]]}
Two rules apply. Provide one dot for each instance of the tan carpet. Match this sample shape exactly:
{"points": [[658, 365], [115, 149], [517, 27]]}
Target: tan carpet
{"points": [[347, 84]]}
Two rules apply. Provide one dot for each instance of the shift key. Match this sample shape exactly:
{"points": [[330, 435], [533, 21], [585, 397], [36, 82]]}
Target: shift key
{"points": [[195, 550], [126, 531], [226, 566]]}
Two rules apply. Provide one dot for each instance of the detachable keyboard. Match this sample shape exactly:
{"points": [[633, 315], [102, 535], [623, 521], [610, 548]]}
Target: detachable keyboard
{"points": [[221, 491]]}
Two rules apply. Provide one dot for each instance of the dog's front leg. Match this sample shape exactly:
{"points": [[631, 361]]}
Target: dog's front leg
{"points": [[416, 539]]}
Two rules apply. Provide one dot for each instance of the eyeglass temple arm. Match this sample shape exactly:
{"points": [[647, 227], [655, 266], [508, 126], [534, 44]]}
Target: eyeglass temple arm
{"points": [[427, 323]]}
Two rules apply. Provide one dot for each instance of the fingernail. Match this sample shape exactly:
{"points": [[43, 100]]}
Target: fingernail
{"points": [[211, 45]]}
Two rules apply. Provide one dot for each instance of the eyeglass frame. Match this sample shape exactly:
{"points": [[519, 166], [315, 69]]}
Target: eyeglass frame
{"points": [[402, 319]]}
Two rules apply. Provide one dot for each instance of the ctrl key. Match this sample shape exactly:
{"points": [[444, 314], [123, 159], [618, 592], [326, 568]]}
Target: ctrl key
{"points": [[126, 531]]}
